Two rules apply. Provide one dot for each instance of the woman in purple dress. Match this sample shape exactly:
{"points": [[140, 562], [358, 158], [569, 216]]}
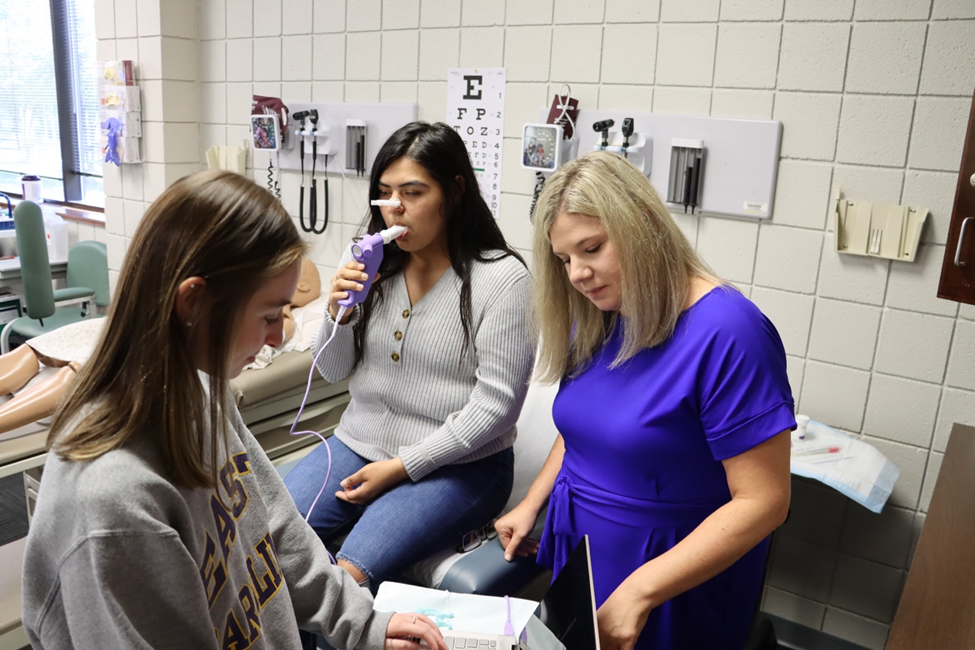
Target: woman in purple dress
{"points": [[674, 414]]}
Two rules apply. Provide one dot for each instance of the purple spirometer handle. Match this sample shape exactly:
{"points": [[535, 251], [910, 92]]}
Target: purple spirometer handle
{"points": [[368, 251]]}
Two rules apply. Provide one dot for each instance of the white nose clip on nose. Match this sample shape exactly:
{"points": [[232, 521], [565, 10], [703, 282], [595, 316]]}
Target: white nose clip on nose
{"points": [[392, 203]]}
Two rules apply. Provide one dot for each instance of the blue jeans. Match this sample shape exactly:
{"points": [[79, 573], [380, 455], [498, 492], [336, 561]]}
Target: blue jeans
{"points": [[409, 523]]}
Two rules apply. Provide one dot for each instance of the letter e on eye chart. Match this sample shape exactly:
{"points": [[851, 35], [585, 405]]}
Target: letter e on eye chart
{"points": [[475, 108]]}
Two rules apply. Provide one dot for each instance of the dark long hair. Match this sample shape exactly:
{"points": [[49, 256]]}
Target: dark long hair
{"points": [[471, 228]]}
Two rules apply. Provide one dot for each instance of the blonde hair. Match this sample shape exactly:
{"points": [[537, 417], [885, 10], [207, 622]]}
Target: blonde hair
{"points": [[656, 265], [143, 377]]}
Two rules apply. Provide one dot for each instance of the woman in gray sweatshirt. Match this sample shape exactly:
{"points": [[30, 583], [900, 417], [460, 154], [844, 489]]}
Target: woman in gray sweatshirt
{"points": [[440, 354], [160, 523]]}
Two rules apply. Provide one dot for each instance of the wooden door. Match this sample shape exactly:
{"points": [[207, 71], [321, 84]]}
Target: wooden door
{"points": [[937, 608], [958, 269]]}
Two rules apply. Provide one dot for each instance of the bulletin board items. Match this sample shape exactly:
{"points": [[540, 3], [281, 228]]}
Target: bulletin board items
{"points": [[120, 113], [475, 109]]}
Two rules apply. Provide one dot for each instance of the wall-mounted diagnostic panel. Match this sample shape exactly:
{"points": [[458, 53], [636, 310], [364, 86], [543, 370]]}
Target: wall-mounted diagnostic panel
{"points": [[722, 166], [350, 135]]}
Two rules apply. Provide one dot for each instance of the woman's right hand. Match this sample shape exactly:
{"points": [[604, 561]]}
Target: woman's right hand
{"points": [[413, 631], [347, 278], [513, 530]]}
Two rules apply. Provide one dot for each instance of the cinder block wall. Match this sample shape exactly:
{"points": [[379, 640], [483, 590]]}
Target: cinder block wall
{"points": [[873, 95]]}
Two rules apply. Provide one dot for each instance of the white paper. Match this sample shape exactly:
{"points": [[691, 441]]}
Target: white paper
{"points": [[471, 612]]}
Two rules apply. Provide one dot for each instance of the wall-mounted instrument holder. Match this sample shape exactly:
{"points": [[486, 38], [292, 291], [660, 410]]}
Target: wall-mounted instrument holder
{"points": [[630, 145], [877, 229], [686, 170], [742, 156], [342, 132]]}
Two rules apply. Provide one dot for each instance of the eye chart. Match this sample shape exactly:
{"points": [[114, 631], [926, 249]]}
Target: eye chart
{"points": [[475, 108]]}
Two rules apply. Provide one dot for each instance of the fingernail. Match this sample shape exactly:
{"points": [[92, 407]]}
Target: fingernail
{"points": [[507, 557], [358, 287]]}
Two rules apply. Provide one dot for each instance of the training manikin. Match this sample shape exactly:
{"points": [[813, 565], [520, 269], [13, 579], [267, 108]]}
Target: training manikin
{"points": [[67, 348]]}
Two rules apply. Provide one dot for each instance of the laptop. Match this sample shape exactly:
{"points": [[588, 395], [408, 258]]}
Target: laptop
{"points": [[568, 611]]}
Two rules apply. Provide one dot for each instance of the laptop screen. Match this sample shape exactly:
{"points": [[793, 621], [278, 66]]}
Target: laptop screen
{"points": [[569, 607]]}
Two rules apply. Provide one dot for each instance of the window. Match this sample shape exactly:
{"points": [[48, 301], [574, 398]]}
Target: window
{"points": [[49, 122]]}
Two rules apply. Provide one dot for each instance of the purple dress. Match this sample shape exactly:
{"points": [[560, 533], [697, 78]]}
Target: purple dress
{"points": [[642, 468]]}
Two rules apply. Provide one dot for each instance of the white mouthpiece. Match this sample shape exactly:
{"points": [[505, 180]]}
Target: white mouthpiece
{"points": [[392, 203], [392, 233]]}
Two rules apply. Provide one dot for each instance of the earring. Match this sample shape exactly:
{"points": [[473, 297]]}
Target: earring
{"points": [[188, 323]]}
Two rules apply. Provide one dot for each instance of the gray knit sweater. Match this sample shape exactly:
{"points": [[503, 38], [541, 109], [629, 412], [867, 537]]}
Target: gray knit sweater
{"points": [[413, 394]]}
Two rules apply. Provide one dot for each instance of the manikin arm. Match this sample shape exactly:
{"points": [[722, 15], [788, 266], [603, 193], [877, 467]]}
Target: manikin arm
{"points": [[38, 401]]}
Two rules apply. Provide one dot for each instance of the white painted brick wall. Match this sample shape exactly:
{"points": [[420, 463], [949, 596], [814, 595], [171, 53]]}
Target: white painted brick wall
{"points": [[902, 409], [809, 124], [681, 11], [751, 10], [873, 95], [679, 65], [874, 130], [401, 14], [834, 395], [891, 10], [825, 10], [813, 56], [844, 333], [914, 345], [885, 58], [747, 55]]}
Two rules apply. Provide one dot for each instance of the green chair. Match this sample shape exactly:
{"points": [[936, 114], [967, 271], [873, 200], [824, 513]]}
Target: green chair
{"points": [[87, 275], [39, 297]]}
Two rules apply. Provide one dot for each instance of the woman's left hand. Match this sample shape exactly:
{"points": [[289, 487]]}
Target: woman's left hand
{"points": [[372, 481], [621, 618]]}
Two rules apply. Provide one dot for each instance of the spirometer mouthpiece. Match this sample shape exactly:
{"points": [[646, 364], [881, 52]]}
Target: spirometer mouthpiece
{"points": [[392, 203], [392, 233]]}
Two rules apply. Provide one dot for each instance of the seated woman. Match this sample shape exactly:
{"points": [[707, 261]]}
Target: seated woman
{"points": [[674, 413], [68, 347], [440, 354], [160, 522]]}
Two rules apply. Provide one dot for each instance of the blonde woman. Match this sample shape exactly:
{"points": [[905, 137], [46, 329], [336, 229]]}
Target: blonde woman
{"points": [[160, 522], [673, 411]]}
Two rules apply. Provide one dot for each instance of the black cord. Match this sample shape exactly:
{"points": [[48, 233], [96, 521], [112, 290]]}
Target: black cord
{"points": [[325, 189], [313, 199], [539, 184], [272, 183]]}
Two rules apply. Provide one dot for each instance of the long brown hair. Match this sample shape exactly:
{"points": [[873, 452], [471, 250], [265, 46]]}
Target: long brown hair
{"points": [[656, 263], [142, 376]]}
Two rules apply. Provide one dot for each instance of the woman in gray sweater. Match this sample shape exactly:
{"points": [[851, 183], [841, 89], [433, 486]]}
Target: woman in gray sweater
{"points": [[160, 522], [441, 351]]}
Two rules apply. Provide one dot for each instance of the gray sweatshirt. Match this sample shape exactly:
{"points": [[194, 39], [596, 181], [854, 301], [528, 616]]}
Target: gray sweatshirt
{"points": [[119, 557], [413, 394]]}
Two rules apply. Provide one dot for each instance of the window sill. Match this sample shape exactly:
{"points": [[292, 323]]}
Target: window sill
{"points": [[89, 216], [80, 215]]}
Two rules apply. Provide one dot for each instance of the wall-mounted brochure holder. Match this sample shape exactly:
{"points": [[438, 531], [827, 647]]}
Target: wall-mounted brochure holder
{"points": [[877, 229], [231, 158]]}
